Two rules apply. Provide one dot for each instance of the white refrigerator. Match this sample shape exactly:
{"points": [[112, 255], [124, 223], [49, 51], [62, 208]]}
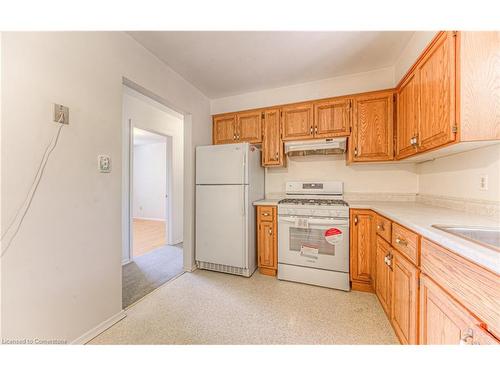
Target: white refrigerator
{"points": [[229, 178]]}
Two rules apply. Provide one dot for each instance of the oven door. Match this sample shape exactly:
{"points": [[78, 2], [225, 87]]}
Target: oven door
{"points": [[314, 242]]}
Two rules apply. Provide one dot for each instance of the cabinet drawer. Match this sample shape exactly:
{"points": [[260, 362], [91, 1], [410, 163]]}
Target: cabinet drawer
{"points": [[405, 241], [473, 286], [383, 228], [265, 213]]}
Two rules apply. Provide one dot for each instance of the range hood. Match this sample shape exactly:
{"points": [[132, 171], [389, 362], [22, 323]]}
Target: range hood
{"points": [[327, 146]]}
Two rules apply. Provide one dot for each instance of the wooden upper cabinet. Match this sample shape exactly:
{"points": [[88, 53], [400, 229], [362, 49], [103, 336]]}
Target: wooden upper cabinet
{"points": [[404, 299], [444, 321], [436, 72], [224, 129], [372, 133], [297, 121], [272, 145], [249, 127], [479, 85], [362, 249], [407, 116], [332, 118]]}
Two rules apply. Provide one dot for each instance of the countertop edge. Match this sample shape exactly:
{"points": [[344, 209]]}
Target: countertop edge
{"points": [[459, 246]]}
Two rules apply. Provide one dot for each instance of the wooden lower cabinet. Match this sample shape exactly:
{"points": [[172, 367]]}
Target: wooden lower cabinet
{"points": [[383, 274], [404, 298], [429, 294], [267, 240], [362, 248], [444, 321]]}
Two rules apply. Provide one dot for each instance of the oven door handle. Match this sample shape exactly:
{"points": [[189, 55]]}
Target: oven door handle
{"points": [[315, 221]]}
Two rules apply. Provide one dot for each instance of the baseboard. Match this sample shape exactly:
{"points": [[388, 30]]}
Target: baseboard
{"points": [[126, 261], [192, 269], [360, 286], [175, 242], [148, 218], [100, 328]]}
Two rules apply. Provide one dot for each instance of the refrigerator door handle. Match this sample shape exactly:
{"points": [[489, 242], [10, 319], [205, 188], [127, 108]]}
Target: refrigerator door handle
{"points": [[244, 202]]}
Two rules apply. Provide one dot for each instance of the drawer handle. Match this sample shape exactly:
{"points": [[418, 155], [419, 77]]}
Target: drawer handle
{"points": [[467, 338], [266, 214], [380, 227], [388, 260], [401, 242]]}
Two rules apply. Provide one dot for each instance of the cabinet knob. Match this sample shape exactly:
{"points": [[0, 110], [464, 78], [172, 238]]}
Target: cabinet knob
{"points": [[311, 130], [467, 338], [356, 220], [270, 232], [266, 214], [401, 242], [277, 155], [380, 227]]}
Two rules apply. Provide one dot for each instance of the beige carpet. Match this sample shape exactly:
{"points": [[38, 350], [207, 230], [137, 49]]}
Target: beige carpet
{"points": [[206, 307]]}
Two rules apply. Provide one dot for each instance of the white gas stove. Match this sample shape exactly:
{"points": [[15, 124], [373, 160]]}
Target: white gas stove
{"points": [[313, 234]]}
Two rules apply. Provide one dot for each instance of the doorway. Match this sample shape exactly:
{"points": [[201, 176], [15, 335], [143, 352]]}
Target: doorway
{"points": [[150, 197], [153, 251]]}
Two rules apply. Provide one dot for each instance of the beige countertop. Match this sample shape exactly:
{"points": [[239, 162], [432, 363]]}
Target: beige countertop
{"points": [[420, 218], [266, 202]]}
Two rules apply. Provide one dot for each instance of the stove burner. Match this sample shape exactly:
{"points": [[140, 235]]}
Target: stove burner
{"points": [[315, 202]]}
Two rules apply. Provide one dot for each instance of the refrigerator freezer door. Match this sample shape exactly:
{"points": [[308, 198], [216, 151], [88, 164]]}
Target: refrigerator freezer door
{"points": [[221, 224], [222, 164]]}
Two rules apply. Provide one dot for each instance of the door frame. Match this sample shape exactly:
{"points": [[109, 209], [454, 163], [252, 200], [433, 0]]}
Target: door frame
{"points": [[187, 118]]}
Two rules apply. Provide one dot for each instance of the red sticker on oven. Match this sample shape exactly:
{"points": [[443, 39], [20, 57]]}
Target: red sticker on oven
{"points": [[333, 235]]}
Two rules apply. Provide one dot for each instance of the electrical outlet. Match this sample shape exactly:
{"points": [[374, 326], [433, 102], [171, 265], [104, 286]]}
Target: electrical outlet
{"points": [[61, 114], [104, 163], [483, 182]]}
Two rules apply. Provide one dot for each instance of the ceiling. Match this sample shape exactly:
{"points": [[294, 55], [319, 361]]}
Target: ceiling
{"points": [[143, 137], [225, 63]]}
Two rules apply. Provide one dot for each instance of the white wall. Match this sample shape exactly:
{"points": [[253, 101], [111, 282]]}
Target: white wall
{"points": [[366, 178], [415, 46], [459, 175], [336, 86], [149, 115], [150, 181], [62, 275]]}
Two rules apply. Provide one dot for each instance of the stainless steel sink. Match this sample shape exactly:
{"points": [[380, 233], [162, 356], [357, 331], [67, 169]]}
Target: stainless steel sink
{"points": [[485, 236]]}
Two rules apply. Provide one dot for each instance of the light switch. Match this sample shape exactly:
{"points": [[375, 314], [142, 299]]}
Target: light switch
{"points": [[104, 163]]}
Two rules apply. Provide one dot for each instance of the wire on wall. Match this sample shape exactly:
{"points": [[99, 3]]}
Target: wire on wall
{"points": [[14, 227]]}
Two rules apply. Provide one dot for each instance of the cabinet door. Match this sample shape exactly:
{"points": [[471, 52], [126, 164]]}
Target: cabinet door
{"points": [[437, 94], [249, 127], [362, 242], [272, 145], [372, 132], [297, 121], [407, 118], [444, 321], [383, 275], [332, 118], [224, 129], [404, 299], [267, 240]]}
